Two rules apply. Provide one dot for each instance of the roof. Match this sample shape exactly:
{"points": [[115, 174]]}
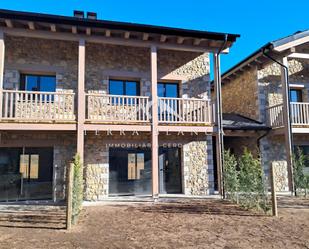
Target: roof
{"points": [[233, 121], [276, 47], [113, 25]]}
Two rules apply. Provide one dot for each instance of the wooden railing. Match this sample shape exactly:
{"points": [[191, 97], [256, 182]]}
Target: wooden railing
{"points": [[186, 111], [299, 114], [275, 116], [37, 106], [117, 108]]}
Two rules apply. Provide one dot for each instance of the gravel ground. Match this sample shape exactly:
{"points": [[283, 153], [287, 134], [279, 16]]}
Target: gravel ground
{"points": [[182, 224]]}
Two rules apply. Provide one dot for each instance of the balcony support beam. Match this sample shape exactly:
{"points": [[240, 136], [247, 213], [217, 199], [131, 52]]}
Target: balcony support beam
{"points": [[81, 99], [218, 117], [287, 121], [154, 123], [2, 51]]}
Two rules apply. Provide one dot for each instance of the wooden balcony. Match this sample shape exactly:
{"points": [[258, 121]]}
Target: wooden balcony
{"points": [[299, 115], [104, 108], [37, 107], [45, 110]]}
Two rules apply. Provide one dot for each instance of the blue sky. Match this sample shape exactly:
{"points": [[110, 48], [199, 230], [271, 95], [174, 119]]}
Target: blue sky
{"points": [[257, 21]]}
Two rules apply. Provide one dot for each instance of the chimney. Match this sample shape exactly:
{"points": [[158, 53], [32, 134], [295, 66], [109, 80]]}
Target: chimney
{"points": [[78, 14], [92, 15]]}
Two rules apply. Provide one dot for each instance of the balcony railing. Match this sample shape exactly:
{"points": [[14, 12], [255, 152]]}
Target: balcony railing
{"points": [[299, 114], [186, 111], [37, 106], [117, 108]]}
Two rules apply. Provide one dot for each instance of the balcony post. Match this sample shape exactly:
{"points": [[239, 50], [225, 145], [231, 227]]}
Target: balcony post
{"points": [[287, 121], [2, 50], [81, 99], [218, 118], [154, 123]]}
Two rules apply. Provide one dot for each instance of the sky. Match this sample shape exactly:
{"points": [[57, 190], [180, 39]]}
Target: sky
{"points": [[257, 21]]}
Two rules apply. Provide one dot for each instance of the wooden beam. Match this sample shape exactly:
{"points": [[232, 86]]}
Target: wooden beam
{"points": [[163, 38], [299, 56], [287, 122], [197, 42], [2, 56], [103, 40], [154, 123], [8, 23], [145, 37], [180, 40], [74, 29], [127, 35], [53, 28], [31, 25], [37, 127], [88, 31], [107, 33], [81, 98]]}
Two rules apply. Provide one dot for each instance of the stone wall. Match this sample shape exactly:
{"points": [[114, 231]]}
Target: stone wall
{"points": [[237, 145], [240, 95], [198, 168]]}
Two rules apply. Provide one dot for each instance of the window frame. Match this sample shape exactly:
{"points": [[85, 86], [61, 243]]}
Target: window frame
{"points": [[299, 94], [124, 82], [23, 87], [169, 83]]}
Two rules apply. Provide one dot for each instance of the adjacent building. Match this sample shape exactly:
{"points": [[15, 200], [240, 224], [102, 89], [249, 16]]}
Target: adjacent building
{"points": [[257, 88]]}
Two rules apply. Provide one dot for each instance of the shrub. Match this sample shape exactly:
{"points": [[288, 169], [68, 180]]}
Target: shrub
{"points": [[301, 181], [77, 190], [245, 185], [230, 176]]}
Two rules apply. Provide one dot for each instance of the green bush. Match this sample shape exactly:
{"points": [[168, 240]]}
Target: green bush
{"points": [[300, 179], [230, 176], [244, 182], [77, 190]]}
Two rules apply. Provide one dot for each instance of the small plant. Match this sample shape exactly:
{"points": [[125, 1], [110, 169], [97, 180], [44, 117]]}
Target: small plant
{"points": [[299, 163], [244, 182], [77, 191], [230, 175]]}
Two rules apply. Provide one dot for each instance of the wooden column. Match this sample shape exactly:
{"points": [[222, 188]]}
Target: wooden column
{"points": [[287, 122], [154, 123], [81, 99], [2, 49], [218, 118]]}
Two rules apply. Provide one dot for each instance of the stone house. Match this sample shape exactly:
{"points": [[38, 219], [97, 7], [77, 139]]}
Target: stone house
{"points": [[257, 88], [132, 100]]}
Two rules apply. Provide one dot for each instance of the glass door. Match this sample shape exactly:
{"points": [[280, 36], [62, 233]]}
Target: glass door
{"points": [[26, 173], [170, 171]]}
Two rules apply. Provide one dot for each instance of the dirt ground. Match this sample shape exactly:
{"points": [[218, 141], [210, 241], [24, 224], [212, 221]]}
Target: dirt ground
{"points": [[185, 224]]}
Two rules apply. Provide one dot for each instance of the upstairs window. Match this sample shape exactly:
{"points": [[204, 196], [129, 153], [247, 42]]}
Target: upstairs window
{"points": [[296, 95], [169, 90], [124, 87], [41, 83]]}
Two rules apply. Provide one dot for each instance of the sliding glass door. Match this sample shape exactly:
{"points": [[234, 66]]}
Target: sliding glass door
{"points": [[26, 174]]}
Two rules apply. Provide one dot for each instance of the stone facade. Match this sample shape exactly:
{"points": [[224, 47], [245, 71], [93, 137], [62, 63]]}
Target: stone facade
{"points": [[105, 62], [240, 95], [198, 169]]}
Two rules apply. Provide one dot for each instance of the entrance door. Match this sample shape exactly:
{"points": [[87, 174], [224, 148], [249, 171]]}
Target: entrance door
{"points": [[26, 173], [170, 171]]}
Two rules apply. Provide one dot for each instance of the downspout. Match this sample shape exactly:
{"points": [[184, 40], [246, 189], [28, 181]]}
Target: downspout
{"points": [[288, 116], [219, 115]]}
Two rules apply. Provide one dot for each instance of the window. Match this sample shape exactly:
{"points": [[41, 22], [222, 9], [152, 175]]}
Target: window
{"points": [[296, 95], [169, 90], [124, 87], [42, 83]]}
